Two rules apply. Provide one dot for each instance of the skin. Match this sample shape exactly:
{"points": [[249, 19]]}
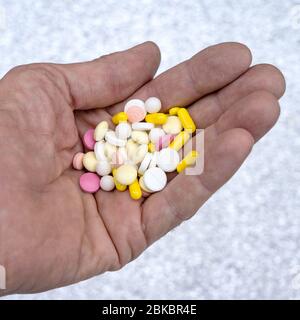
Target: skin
{"points": [[51, 233]]}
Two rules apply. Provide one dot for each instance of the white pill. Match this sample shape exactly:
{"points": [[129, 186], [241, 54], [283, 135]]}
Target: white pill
{"points": [[122, 153], [140, 137], [153, 105], [111, 138], [153, 162], [107, 183], [140, 154], [145, 163], [168, 159], [123, 130], [103, 168], [109, 150], [142, 185], [142, 126], [155, 179], [99, 150], [134, 103], [155, 134]]}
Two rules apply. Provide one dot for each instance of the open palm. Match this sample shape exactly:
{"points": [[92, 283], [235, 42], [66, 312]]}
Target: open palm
{"points": [[51, 233]]}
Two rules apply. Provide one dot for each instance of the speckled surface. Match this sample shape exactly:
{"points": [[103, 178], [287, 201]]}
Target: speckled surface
{"points": [[244, 243]]}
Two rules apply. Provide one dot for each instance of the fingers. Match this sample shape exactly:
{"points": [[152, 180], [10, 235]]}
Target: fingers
{"points": [[111, 78], [209, 70], [185, 194], [257, 113], [206, 111]]}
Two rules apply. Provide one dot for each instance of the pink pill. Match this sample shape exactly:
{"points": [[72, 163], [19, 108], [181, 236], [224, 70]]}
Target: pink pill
{"points": [[89, 182], [88, 139], [164, 141], [136, 114], [77, 161]]}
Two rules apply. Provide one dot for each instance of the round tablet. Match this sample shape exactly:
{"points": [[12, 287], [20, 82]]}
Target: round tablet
{"points": [[126, 174], [153, 105], [155, 134], [142, 126], [134, 103], [88, 139], [107, 183], [89, 182], [145, 163], [77, 161], [136, 114], [123, 130], [99, 150], [103, 168], [168, 159], [155, 179]]}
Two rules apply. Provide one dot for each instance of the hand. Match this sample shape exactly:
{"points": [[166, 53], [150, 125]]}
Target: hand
{"points": [[51, 233]]}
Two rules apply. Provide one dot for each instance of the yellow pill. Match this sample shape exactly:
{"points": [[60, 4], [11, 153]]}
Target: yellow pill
{"points": [[174, 111], [90, 162], [186, 120], [119, 117], [135, 190], [119, 186], [180, 140], [151, 147], [188, 161], [157, 118]]}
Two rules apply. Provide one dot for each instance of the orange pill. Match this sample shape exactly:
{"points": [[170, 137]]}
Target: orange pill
{"points": [[136, 114]]}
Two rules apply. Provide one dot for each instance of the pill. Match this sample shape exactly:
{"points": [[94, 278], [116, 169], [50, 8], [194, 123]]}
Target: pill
{"points": [[155, 179], [186, 120], [117, 159], [174, 111], [151, 147], [88, 139], [131, 148], [180, 140], [99, 150], [122, 153], [103, 168], [140, 137], [134, 103], [140, 154], [187, 161], [153, 162], [100, 131], [136, 114], [173, 125], [111, 138], [126, 174], [168, 159], [109, 150], [142, 185], [89, 182], [123, 130], [119, 186], [164, 142], [155, 134], [89, 161], [157, 118], [77, 161], [107, 183], [119, 117], [142, 126], [153, 105], [145, 163], [135, 190]]}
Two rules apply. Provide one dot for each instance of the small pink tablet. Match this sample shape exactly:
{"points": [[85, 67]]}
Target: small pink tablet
{"points": [[88, 139], [136, 114], [89, 182], [164, 141], [77, 161]]}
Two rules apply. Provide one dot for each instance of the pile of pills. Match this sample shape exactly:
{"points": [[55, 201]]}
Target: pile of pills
{"points": [[138, 153]]}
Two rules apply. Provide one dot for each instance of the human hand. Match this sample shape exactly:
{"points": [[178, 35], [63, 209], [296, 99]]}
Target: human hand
{"points": [[51, 233]]}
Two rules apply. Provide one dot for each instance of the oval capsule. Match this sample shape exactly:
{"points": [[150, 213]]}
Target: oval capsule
{"points": [[186, 120], [180, 140], [119, 186], [135, 190], [157, 118], [119, 117], [188, 161]]}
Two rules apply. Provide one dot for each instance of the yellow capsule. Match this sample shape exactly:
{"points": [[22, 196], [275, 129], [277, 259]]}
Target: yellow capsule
{"points": [[151, 147], [180, 140], [188, 161], [135, 190], [119, 117], [174, 111], [157, 118], [186, 120], [119, 186]]}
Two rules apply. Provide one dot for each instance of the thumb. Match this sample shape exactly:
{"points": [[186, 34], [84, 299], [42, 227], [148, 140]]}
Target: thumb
{"points": [[111, 78]]}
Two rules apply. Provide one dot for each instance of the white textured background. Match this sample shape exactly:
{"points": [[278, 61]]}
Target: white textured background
{"points": [[245, 241]]}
